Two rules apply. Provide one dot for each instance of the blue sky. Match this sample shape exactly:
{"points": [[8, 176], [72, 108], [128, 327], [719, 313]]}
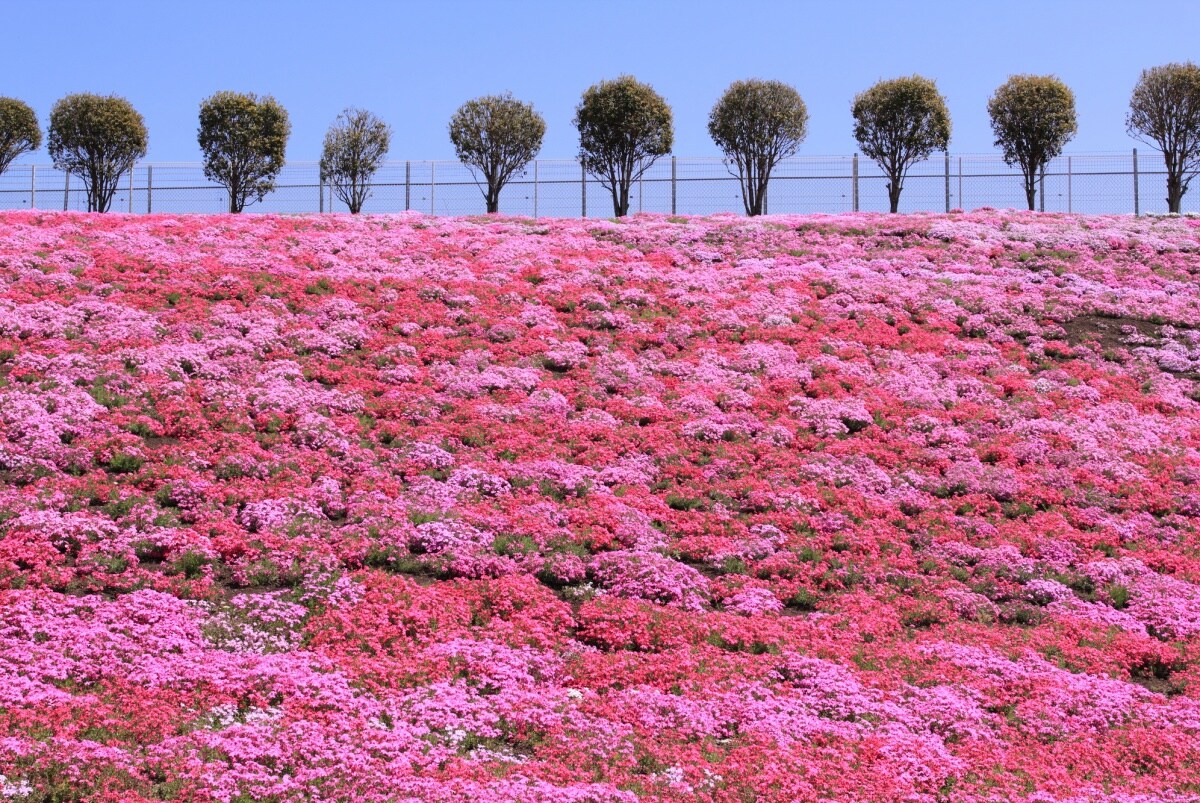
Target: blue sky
{"points": [[413, 63]]}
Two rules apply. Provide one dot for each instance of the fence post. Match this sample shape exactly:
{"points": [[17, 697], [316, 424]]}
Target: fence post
{"points": [[407, 185], [673, 184], [33, 186], [321, 194], [766, 197], [1042, 190], [947, 182], [149, 188], [1136, 201], [535, 188], [432, 185], [66, 190], [961, 205], [1070, 174], [131, 190], [583, 188], [854, 182]]}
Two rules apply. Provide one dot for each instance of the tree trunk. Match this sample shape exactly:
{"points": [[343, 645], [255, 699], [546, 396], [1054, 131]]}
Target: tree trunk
{"points": [[756, 202], [103, 196], [95, 190], [1029, 172], [621, 199], [757, 189], [894, 188], [746, 188], [493, 199], [1175, 192]]}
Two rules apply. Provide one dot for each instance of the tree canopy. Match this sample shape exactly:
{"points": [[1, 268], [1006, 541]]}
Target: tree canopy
{"points": [[756, 124], [1033, 118], [624, 127], [19, 132], [496, 135], [355, 147], [900, 122], [97, 138], [1164, 110], [243, 138]]}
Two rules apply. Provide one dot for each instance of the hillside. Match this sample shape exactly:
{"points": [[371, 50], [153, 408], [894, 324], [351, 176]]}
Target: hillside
{"points": [[411, 508]]}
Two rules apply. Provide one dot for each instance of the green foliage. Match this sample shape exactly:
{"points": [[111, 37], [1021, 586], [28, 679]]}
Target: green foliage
{"points": [[624, 127], [679, 502], [19, 132], [321, 287], [1165, 112], [899, 122], [1118, 595], [243, 138], [355, 146], [803, 600], [757, 123], [496, 135], [97, 138], [1033, 118], [125, 463]]}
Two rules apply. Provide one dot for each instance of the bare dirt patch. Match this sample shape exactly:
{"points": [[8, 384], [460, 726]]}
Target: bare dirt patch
{"points": [[1106, 331]]}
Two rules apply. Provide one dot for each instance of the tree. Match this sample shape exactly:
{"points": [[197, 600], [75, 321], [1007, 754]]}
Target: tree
{"points": [[97, 138], [757, 123], [496, 135], [1033, 118], [19, 132], [354, 149], [1165, 111], [243, 138], [624, 126], [898, 123]]}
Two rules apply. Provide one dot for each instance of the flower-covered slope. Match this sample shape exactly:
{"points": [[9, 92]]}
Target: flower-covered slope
{"points": [[402, 508]]}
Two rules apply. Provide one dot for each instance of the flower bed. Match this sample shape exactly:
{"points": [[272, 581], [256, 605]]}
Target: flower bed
{"points": [[409, 508]]}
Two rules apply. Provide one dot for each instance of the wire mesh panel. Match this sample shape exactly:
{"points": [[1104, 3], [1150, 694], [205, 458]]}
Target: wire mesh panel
{"points": [[599, 198], [923, 189], [558, 191], [1095, 183], [18, 187], [810, 184], [702, 187], [1152, 186], [988, 181], [1090, 184], [181, 188]]}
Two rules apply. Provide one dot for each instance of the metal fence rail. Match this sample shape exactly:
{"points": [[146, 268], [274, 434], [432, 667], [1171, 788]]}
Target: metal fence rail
{"points": [[1095, 183]]}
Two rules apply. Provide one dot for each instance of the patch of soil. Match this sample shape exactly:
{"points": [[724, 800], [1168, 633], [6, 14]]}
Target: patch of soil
{"points": [[155, 442], [1106, 331]]}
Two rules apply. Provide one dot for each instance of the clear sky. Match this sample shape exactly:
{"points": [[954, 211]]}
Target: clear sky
{"points": [[413, 63]]}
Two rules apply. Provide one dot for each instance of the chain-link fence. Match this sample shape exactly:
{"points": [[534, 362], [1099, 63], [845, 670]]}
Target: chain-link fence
{"points": [[1096, 183]]}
